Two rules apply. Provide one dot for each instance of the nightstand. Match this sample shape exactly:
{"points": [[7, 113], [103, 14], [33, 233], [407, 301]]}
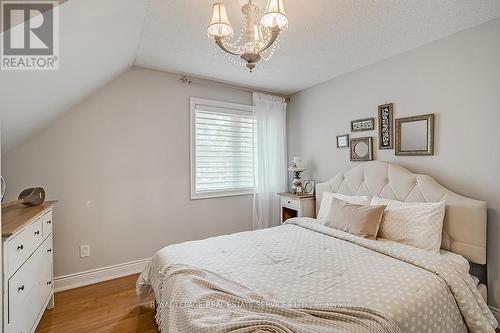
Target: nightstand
{"points": [[292, 205]]}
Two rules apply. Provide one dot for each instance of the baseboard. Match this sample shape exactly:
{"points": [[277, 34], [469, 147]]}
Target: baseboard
{"points": [[98, 275], [496, 313]]}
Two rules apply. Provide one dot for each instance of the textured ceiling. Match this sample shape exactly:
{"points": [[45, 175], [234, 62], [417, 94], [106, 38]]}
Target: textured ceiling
{"points": [[326, 38], [98, 40]]}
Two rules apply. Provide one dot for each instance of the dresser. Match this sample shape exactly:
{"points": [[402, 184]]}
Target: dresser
{"points": [[292, 205], [27, 266]]}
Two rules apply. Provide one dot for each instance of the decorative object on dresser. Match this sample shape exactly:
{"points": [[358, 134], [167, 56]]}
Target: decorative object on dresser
{"points": [[292, 205], [343, 141], [308, 187], [415, 135], [27, 266], [362, 125], [297, 168], [385, 120], [362, 149], [2, 188], [29, 197]]}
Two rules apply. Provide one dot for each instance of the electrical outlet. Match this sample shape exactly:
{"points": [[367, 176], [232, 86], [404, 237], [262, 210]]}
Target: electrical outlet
{"points": [[84, 251]]}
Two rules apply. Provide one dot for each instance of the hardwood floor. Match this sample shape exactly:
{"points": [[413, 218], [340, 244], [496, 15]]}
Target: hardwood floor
{"points": [[107, 307]]}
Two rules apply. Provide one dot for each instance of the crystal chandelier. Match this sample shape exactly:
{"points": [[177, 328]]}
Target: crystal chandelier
{"points": [[259, 36]]}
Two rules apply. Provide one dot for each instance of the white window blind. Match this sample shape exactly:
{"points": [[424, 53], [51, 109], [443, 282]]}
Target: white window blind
{"points": [[223, 144]]}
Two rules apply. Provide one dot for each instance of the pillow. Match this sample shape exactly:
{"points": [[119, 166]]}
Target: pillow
{"points": [[359, 220], [327, 201], [419, 224]]}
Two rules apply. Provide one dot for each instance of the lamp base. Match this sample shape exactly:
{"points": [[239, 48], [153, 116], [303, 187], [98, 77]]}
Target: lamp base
{"points": [[297, 184]]}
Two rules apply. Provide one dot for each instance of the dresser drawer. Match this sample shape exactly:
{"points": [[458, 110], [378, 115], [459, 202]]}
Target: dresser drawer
{"points": [[47, 223], [19, 248], [29, 288], [290, 203]]}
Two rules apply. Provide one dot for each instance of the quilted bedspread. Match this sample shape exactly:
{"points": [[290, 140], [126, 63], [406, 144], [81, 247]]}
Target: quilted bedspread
{"points": [[305, 277]]}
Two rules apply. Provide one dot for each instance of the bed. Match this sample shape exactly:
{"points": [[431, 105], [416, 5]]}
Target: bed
{"points": [[306, 277]]}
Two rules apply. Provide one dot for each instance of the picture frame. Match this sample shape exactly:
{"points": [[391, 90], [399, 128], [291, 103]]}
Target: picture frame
{"points": [[308, 187], [361, 149], [386, 126], [361, 125], [415, 135], [343, 141]]}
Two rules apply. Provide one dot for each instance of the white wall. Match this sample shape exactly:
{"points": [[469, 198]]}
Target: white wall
{"points": [[458, 79], [119, 165]]}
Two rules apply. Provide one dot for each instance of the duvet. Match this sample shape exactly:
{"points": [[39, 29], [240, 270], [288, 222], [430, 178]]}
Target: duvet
{"points": [[305, 277]]}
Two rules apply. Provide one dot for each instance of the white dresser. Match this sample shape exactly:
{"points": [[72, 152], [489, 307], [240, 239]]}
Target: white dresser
{"points": [[28, 276]]}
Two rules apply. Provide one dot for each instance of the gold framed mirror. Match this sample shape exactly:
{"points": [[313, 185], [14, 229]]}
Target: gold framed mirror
{"points": [[415, 135]]}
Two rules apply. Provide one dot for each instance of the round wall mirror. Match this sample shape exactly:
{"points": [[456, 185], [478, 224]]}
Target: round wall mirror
{"points": [[361, 149]]}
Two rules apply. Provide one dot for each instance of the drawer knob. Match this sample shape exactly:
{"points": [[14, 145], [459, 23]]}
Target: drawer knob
{"points": [[20, 247], [49, 283], [49, 250], [49, 222], [21, 288], [37, 232], [289, 201]]}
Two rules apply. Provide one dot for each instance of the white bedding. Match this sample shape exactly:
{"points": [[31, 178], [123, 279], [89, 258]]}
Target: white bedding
{"points": [[304, 262]]}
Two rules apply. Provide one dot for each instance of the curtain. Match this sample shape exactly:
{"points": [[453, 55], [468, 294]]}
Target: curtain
{"points": [[270, 159]]}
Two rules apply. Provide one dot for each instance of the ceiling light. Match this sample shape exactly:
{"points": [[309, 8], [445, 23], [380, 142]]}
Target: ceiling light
{"points": [[259, 36]]}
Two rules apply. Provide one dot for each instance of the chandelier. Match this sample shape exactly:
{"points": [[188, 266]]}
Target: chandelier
{"points": [[259, 36]]}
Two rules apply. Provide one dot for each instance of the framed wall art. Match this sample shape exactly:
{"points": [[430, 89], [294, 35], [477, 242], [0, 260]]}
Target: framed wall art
{"points": [[343, 141], [362, 149], [386, 123], [361, 125]]}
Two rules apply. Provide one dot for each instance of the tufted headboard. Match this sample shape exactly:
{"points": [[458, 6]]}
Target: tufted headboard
{"points": [[464, 229]]}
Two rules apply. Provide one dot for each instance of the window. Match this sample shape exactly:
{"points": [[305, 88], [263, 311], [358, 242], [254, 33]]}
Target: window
{"points": [[222, 149]]}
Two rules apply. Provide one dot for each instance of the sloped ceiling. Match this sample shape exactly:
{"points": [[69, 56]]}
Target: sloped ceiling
{"points": [[100, 39], [325, 39]]}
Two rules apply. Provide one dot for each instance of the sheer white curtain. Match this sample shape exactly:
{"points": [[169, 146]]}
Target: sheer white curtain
{"points": [[270, 159]]}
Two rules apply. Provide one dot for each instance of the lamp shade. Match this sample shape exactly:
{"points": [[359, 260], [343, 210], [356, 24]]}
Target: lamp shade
{"points": [[275, 15], [220, 26]]}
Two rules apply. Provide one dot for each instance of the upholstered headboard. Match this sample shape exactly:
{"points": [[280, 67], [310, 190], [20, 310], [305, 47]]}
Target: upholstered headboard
{"points": [[464, 229]]}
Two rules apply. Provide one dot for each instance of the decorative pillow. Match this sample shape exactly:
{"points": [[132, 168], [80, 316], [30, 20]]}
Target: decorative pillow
{"points": [[359, 220], [419, 224], [327, 201]]}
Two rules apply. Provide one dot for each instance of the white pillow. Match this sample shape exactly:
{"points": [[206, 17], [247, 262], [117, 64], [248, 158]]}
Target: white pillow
{"points": [[419, 224], [326, 202]]}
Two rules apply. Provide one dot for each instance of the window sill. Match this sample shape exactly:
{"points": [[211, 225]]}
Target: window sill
{"points": [[214, 195]]}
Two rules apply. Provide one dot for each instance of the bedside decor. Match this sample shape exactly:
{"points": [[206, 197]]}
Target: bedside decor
{"points": [[415, 135], [343, 141], [308, 187], [297, 168], [362, 125], [292, 205], [362, 149], [385, 132]]}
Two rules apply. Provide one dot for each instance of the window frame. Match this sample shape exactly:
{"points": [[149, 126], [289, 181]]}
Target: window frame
{"points": [[238, 109]]}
